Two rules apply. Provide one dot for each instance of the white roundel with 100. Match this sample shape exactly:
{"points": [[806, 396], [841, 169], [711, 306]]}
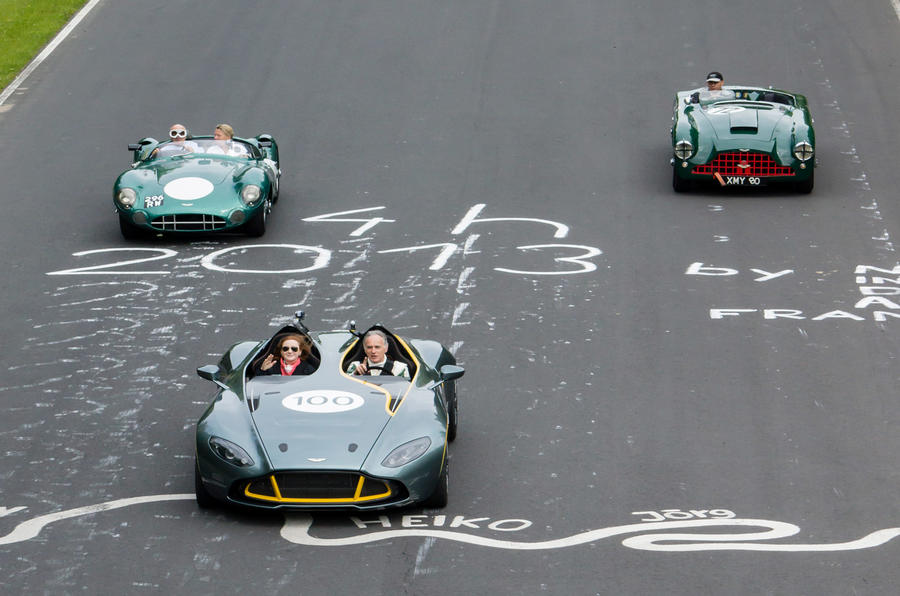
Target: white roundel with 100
{"points": [[189, 188], [322, 401]]}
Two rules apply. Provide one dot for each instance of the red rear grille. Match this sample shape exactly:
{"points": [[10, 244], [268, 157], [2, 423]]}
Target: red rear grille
{"points": [[744, 163]]}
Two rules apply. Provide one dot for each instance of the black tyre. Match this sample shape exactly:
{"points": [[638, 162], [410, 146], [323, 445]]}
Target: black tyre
{"points": [[256, 227], [679, 183], [806, 186], [204, 499], [441, 494], [128, 229], [277, 192], [452, 412]]}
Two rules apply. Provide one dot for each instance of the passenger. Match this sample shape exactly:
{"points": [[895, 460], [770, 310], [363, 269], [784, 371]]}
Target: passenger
{"points": [[293, 350], [179, 145], [224, 144], [376, 362]]}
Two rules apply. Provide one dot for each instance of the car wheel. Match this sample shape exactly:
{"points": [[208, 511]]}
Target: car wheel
{"points": [[452, 412], [277, 187], [806, 186], [204, 499], [128, 229], [440, 496], [679, 183], [256, 227]]}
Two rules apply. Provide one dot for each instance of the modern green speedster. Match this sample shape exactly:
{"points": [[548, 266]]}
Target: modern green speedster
{"points": [[328, 439], [742, 136], [198, 185]]}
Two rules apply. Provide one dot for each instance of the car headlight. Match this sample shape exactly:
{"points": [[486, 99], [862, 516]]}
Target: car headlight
{"points": [[230, 452], [803, 151], [126, 198], [250, 194], [683, 149], [407, 452]]}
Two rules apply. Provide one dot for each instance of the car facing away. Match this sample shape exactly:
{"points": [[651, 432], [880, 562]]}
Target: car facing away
{"points": [[328, 440], [214, 186], [746, 136]]}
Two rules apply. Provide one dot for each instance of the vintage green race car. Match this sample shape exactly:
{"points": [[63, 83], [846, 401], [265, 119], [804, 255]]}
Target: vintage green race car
{"points": [[328, 439], [198, 185], [742, 136]]}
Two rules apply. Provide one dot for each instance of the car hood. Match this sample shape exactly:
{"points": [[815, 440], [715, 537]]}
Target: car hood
{"points": [[733, 124], [216, 170], [187, 177], [743, 126], [303, 426]]}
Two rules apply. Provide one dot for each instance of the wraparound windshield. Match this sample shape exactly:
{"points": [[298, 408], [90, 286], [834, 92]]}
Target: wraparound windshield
{"points": [[232, 148]]}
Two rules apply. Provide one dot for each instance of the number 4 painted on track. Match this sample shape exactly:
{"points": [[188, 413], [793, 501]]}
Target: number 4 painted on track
{"points": [[367, 223]]}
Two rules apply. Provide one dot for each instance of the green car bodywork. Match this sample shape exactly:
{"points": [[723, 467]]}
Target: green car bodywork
{"points": [[328, 440], [753, 137], [206, 190]]}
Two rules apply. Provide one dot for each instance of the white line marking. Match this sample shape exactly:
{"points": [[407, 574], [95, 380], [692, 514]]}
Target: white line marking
{"points": [[296, 530], [54, 43], [457, 313], [31, 528], [896, 5], [471, 217]]}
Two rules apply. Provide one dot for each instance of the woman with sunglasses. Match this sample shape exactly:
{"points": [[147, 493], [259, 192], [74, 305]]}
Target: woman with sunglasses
{"points": [[179, 144], [289, 359]]}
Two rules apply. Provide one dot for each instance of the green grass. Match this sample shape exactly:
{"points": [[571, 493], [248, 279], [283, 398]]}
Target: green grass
{"points": [[25, 27]]}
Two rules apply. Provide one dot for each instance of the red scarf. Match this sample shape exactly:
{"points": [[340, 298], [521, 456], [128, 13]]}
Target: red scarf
{"points": [[287, 369]]}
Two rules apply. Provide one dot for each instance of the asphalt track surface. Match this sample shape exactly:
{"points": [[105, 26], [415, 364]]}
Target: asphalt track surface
{"points": [[599, 407]]}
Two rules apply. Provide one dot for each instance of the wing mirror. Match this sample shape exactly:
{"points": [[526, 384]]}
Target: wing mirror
{"points": [[210, 372], [140, 144], [264, 140], [451, 372], [140, 148]]}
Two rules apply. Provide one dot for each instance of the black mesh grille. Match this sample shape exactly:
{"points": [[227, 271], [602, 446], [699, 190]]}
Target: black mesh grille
{"points": [[262, 486], [327, 489], [318, 485], [371, 488]]}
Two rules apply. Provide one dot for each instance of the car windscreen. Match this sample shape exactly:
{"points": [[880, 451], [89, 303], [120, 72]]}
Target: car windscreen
{"points": [[212, 147], [768, 95]]}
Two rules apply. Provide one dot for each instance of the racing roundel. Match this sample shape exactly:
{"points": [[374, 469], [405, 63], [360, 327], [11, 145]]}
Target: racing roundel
{"points": [[188, 188], [322, 401]]}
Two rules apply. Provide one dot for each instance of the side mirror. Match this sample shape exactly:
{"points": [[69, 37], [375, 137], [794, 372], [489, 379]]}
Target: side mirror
{"points": [[210, 372], [141, 147], [451, 372], [264, 140]]}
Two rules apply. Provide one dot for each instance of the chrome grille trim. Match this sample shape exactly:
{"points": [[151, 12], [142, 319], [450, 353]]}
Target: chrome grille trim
{"points": [[188, 222]]}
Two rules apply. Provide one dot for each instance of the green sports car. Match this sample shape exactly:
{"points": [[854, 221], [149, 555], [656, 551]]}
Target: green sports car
{"points": [[742, 136], [327, 439], [198, 185]]}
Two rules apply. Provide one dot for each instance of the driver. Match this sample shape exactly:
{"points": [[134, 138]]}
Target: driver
{"points": [[376, 362], [713, 91], [179, 145]]}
